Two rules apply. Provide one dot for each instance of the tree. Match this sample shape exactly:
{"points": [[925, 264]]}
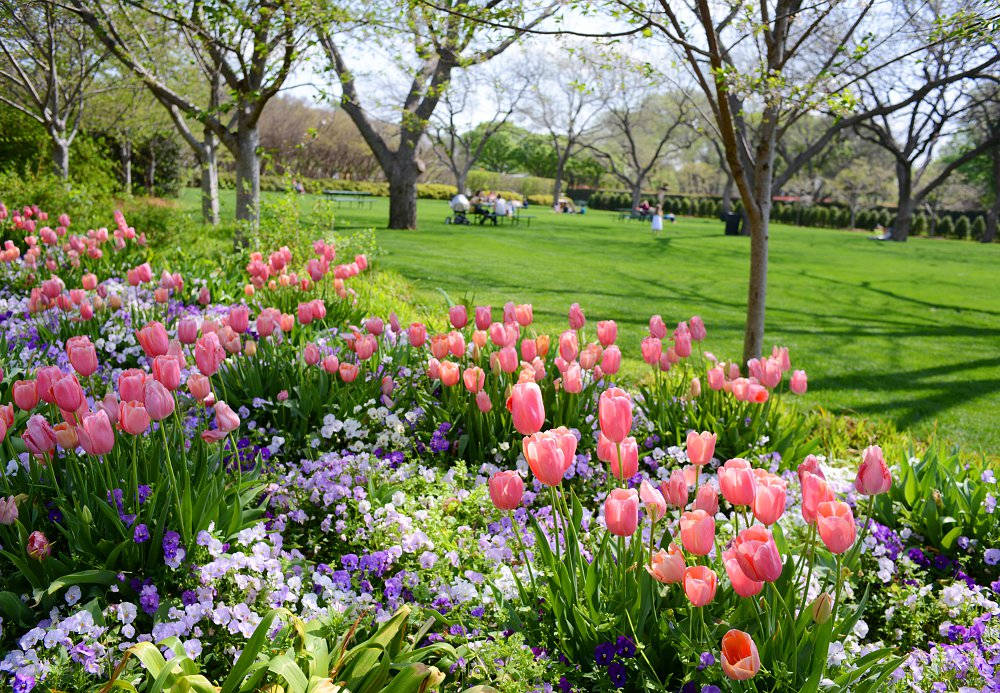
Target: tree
{"points": [[638, 126], [566, 102], [246, 47], [857, 184], [458, 147], [442, 40], [48, 67], [983, 121]]}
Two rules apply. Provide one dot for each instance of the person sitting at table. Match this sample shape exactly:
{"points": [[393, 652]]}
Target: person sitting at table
{"points": [[500, 208], [479, 208]]}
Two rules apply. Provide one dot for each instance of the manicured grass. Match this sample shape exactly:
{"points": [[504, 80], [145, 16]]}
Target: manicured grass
{"points": [[908, 332]]}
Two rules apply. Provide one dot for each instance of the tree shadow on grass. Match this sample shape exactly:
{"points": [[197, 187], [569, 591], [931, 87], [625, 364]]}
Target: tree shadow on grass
{"points": [[920, 395]]}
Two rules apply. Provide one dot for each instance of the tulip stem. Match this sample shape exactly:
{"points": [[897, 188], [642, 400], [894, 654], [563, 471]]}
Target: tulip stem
{"points": [[524, 553], [652, 534], [810, 550], [173, 485]]}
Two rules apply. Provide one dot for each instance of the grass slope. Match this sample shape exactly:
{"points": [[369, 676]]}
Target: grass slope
{"points": [[909, 332]]}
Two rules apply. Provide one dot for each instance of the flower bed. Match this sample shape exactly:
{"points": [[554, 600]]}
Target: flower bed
{"points": [[235, 482]]}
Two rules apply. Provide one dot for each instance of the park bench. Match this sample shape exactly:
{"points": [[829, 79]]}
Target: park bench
{"points": [[630, 214], [349, 197]]}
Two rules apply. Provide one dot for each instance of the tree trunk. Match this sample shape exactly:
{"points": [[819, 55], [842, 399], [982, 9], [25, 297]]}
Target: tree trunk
{"points": [[247, 176], [461, 181], [60, 156], [727, 195], [557, 184], [151, 168], [126, 153], [753, 338], [636, 195], [209, 180], [403, 194], [904, 202], [853, 207], [993, 213]]}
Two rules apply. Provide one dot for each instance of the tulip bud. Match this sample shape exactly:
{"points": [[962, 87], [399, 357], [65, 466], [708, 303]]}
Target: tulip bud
{"points": [[821, 608]]}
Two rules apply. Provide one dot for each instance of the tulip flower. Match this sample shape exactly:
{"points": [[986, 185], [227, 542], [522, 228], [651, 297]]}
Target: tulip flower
{"points": [[699, 584], [506, 490], [657, 328], [810, 464], [167, 371], [757, 554], [484, 317], [95, 433], [707, 499], [524, 314], [716, 378], [873, 474], [611, 360], [569, 345], [310, 354], [199, 386], [697, 328], [651, 350], [652, 501], [133, 418], [450, 373], [153, 339], [821, 608], [700, 447], [572, 380], [209, 354], [621, 512], [38, 436], [591, 356], [675, 489], [545, 457], [682, 344], [66, 437], [82, 355], [742, 585], [607, 332], [373, 326], [815, 491], [542, 344], [8, 510], [483, 401], [239, 318], [835, 522], [45, 378], [740, 660], [348, 372], [769, 500], [667, 566], [159, 402], [736, 480], [576, 317], [526, 407], [38, 546], [458, 316], [131, 384], [615, 413], [456, 344], [798, 383], [416, 334], [625, 459], [697, 532], [474, 379], [25, 394]]}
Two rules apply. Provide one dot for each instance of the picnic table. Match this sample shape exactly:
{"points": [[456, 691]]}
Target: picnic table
{"points": [[629, 213], [349, 197]]}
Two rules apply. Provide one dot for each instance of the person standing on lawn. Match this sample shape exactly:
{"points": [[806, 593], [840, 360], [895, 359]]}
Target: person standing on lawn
{"points": [[657, 221]]}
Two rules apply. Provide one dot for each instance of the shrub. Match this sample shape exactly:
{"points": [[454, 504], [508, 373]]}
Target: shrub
{"points": [[543, 200], [919, 225], [979, 228], [962, 227], [945, 227]]}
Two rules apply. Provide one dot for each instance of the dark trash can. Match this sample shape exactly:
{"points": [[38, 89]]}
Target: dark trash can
{"points": [[734, 222]]}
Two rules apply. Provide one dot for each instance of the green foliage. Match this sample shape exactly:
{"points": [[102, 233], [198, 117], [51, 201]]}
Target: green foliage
{"points": [[90, 206], [945, 227], [962, 227], [979, 228], [919, 225]]}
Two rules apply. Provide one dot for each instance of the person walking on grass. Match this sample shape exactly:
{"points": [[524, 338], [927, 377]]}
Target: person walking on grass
{"points": [[657, 220]]}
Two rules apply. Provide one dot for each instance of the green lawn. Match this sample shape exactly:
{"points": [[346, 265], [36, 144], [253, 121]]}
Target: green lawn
{"points": [[909, 331]]}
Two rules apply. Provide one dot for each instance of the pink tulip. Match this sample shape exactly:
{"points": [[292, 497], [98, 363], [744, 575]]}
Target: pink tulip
{"points": [[716, 378], [697, 328], [652, 501], [810, 464], [416, 334], [615, 413], [45, 378], [572, 380], [159, 402], [209, 354], [526, 407], [131, 385], [458, 316], [545, 457], [187, 330], [780, 354], [740, 660], [628, 450], [657, 328], [576, 317], [682, 344], [8, 510], [652, 348], [524, 314], [611, 359], [239, 318], [433, 369], [68, 393], [199, 386], [95, 433], [675, 489], [153, 339], [373, 326], [38, 546], [484, 317], [815, 491], [133, 418], [707, 499], [25, 394], [331, 364], [742, 585], [450, 373], [736, 480], [348, 372], [607, 332], [700, 447], [835, 522], [82, 355], [167, 371], [769, 501], [757, 554], [621, 512], [456, 344], [38, 436], [305, 313], [590, 356], [667, 566], [697, 532], [89, 281], [798, 383], [606, 448], [873, 474], [226, 419], [507, 359], [483, 401], [569, 346], [506, 490], [699, 584], [311, 354]]}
